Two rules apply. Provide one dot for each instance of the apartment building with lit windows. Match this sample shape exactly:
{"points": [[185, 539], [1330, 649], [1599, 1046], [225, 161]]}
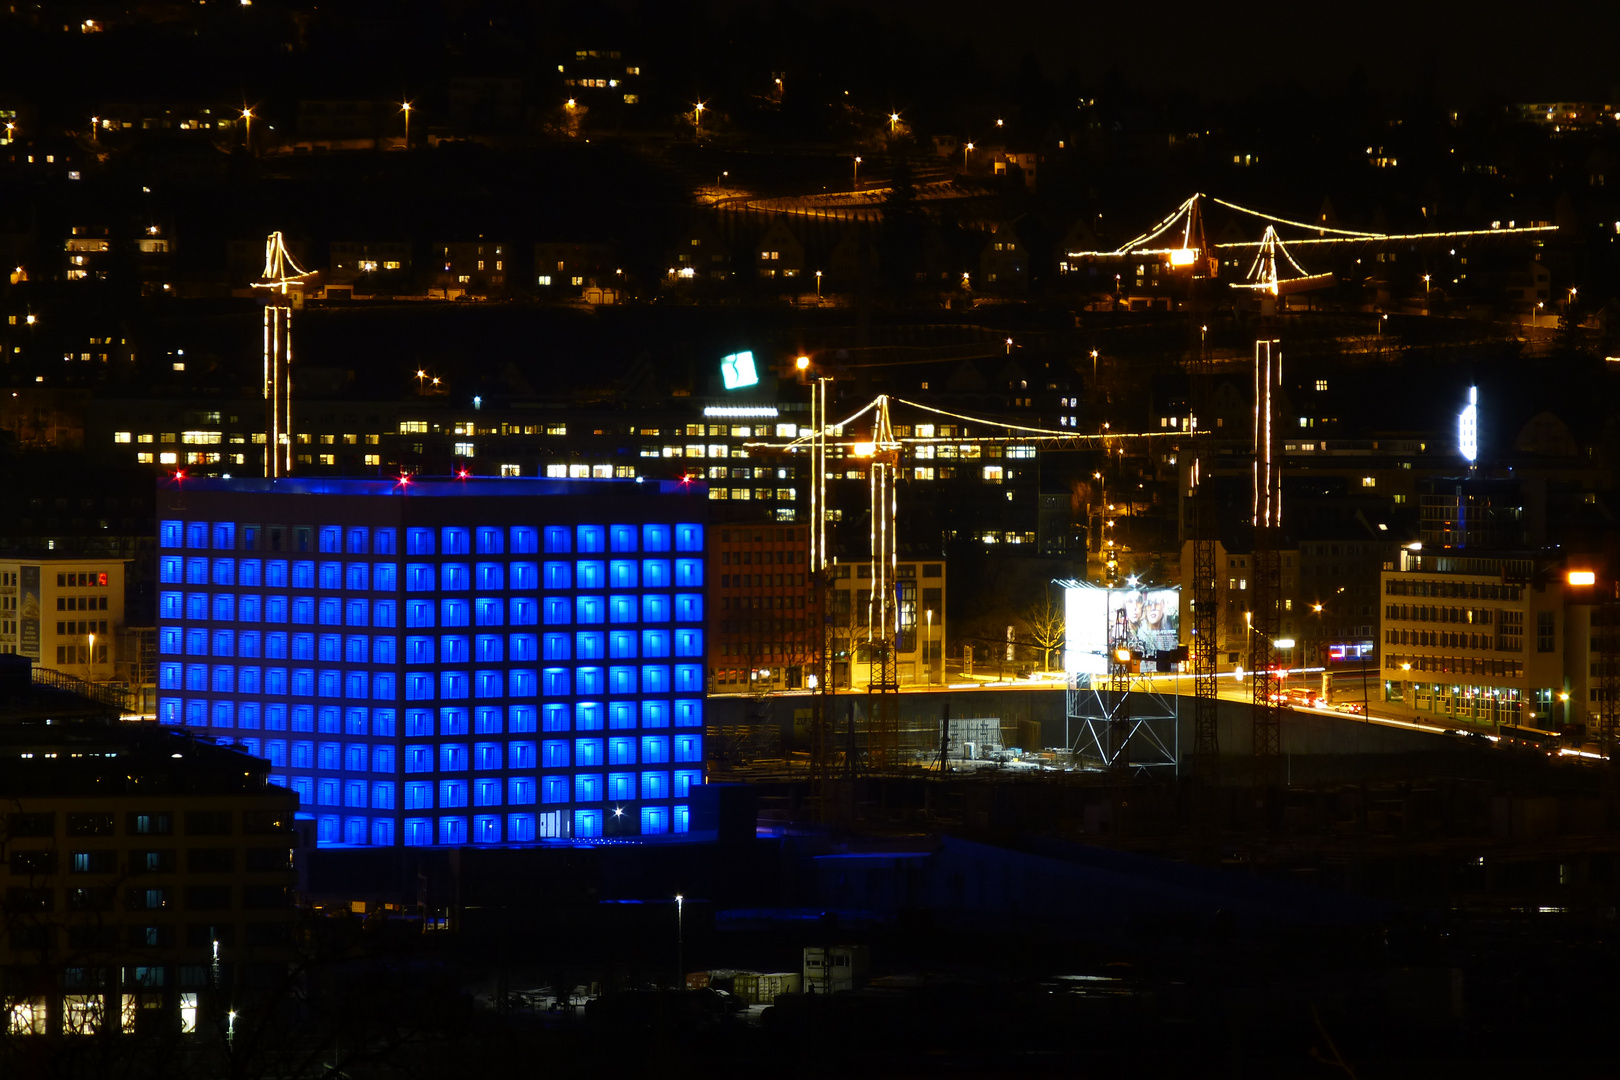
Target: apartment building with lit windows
{"points": [[444, 662], [920, 636], [64, 614]]}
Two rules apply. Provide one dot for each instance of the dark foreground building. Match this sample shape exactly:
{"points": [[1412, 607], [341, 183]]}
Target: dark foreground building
{"points": [[444, 663]]}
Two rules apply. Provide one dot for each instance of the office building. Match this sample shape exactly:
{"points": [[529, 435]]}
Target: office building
{"points": [[65, 614], [425, 663]]}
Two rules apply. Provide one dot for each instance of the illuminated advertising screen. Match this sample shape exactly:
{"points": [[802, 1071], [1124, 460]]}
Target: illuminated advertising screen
{"points": [[738, 371], [1098, 621]]}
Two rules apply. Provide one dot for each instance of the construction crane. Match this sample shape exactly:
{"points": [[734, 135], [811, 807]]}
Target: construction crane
{"points": [[281, 276], [883, 451]]}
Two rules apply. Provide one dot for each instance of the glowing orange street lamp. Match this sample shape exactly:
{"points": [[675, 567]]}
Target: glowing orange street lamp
{"points": [[247, 135], [405, 107], [857, 170]]}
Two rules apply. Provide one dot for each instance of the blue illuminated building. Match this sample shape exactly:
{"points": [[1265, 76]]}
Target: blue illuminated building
{"points": [[481, 661]]}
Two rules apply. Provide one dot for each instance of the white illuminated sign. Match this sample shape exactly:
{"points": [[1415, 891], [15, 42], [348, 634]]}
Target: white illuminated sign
{"points": [[739, 410], [1468, 426], [738, 371], [1143, 621]]}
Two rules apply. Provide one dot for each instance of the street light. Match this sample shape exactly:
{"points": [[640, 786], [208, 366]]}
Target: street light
{"points": [[818, 284], [857, 170], [894, 119], [247, 134], [680, 941], [405, 107], [697, 118], [928, 644], [89, 668], [966, 150]]}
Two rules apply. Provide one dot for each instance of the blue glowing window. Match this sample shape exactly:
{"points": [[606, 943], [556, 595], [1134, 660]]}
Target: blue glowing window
{"points": [[454, 612], [588, 716], [654, 643], [354, 828], [303, 755], [248, 717], [655, 573], [621, 751], [418, 650], [305, 787], [622, 644], [455, 540], [688, 748], [654, 820], [491, 576], [224, 536], [331, 647], [489, 648], [331, 684], [655, 538], [587, 787], [556, 647], [382, 795], [196, 571], [382, 759], [688, 643], [303, 718], [171, 534], [453, 721], [356, 647], [331, 611], [418, 613], [382, 724], [355, 721], [554, 789], [419, 541], [689, 573], [455, 577], [382, 686], [525, 575], [251, 573], [590, 574], [487, 720], [169, 570], [224, 679], [587, 823], [169, 676], [588, 644], [554, 754], [486, 756], [224, 571], [418, 686], [356, 686], [331, 575], [525, 647], [621, 714], [486, 793], [688, 712], [275, 574], [556, 682], [329, 796], [418, 795], [303, 610], [247, 643], [354, 757], [382, 613], [303, 646], [689, 538], [357, 540], [622, 609], [382, 831], [383, 542], [418, 832], [683, 819], [558, 541], [330, 719], [383, 577], [196, 534], [452, 757], [489, 540], [523, 683], [621, 680], [329, 755], [522, 718], [525, 540], [275, 751], [654, 608], [557, 611], [224, 643], [620, 786], [453, 830], [490, 611], [590, 538], [488, 684], [303, 574], [655, 785], [452, 793], [355, 613], [331, 538], [588, 680], [275, 609], [520, 791], [196, 643], [654, 679], [453, 649], [419, 577], [521, 755], [555, 717], [559, 575], [275, 717], [655, 749], [197, 605], [249, 607], [222, 717], [520, 827], [655, 714], [418, 722], [382, 650], [622, 573], [196, 676], [357, 576], [688, 607]]}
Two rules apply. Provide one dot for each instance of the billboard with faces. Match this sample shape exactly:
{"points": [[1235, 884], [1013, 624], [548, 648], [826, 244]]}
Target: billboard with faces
{"points": [[1098, 621]]}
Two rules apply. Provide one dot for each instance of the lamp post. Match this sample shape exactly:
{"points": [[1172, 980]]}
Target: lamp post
{"points": [[247, 134], [857, 171], [405, 107], [966, 150], [894, 121], [818, 284], [697, 119], [90, 667], [680, 942], [928, 645]]}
